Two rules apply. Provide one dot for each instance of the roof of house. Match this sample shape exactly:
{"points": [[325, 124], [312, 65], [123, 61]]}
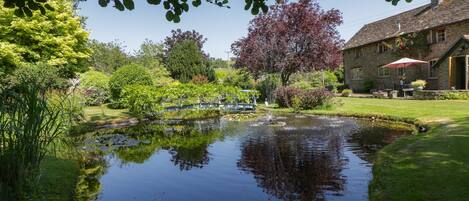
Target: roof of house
{"points": [[415, 20], [464, 40]]}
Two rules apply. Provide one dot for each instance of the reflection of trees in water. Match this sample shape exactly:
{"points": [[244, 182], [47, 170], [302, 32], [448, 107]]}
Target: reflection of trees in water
{"points": [[292, 165], [88, 186], [186, 143], [368, 140]]}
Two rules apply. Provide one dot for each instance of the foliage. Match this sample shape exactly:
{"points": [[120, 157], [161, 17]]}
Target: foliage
{"points": [[178, 36], [267, 87], [185, 60], [218, 63], [368, 85], [29, 125], [160, 76], [239, 78], [71, 104], [142, 101], [107, 57], [284, 96], [413, 45], [454, 96], [303, 99], [150, 55], [147, 101], [302, 25], [95, 87], [419, 83], [346, 93], [199, 79], [128, 75], [56, 38]]}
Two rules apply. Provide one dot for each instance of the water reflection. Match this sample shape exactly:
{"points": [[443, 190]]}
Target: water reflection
{"points": [[311, 158]]}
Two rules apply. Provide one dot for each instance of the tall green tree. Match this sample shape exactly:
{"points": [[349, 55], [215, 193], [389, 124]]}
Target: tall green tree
{"points": [[56, 37], [150, 55], [186, 60], [107, 57]]}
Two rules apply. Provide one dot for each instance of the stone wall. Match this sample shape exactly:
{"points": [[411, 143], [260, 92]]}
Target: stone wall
{"points": [[370, 60]]}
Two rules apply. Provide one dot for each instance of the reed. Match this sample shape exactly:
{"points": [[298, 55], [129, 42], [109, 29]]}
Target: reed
{"points": [[29, 125]]}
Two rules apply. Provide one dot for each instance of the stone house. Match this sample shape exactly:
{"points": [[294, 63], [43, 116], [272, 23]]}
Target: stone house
{"points": [[437, 32]]}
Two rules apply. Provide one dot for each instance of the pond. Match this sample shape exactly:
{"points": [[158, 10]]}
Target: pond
{"points": [[276, 158]]}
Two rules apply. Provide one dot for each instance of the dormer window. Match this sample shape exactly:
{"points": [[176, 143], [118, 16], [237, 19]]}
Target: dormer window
{"points": [[382, 48], [437, 36], [441, 35]]}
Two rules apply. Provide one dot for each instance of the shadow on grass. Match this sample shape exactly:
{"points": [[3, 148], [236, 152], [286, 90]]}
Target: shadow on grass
{"points": [[57, 179], [430, 166]]}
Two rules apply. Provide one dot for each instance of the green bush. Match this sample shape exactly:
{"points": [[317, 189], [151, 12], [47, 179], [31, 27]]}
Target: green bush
{"points": [[95, 87], [142, 101], [455, 96], [267, 87], [239, 78], [368, 85], [186, 60], [346, 93], [128, 75]]}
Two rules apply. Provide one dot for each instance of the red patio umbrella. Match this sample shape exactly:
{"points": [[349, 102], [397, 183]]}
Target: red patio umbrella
{"points": [[404, 63]]}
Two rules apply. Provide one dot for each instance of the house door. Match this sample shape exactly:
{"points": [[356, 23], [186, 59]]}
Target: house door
{"points": [[460, 72]]}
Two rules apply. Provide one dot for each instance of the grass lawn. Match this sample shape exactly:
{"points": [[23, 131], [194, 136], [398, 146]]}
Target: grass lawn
{"points": [[428, 166], [58, 179], [103, 114]]}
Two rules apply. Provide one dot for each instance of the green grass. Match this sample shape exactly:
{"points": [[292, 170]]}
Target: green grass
{"points": [[427, 166], [58, 179], [103, 113]]}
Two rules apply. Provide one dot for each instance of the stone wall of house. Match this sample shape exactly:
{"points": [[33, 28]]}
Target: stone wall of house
{"points": [[370, 60]]}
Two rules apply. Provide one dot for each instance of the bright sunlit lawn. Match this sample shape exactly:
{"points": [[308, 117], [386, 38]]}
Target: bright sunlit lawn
{"points": [[428, 166], [103, 113]]}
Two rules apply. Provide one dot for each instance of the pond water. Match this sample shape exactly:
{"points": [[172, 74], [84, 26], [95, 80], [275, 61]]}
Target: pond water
{"points": [[279, 158]]}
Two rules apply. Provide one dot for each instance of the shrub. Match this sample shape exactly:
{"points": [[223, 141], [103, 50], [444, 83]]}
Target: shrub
{"points": [[267, 87], [368, 85], [315, 98], [95, 87], [419, 83], [128, 75], [285, 95], [142, 101], [199, 79], [455, 96], [239, 78], [346, 93]]}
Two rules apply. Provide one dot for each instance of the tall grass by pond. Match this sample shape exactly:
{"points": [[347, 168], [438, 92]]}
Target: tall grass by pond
{"points": [[30, 123]]}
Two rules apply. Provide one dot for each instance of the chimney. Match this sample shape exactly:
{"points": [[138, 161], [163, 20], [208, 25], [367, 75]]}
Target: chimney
{"points": [[436, 2]]}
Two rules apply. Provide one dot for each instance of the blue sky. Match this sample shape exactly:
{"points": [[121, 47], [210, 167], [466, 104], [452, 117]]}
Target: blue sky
{"points": [[220, 25]]}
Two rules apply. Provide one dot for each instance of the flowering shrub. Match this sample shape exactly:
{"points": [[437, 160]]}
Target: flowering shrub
{"points": [[303, 99], [315, 98], [346, 93], [419, 83]]}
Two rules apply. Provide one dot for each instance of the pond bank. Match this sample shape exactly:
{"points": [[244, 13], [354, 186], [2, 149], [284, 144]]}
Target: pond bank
{"points": [[426, 166]]}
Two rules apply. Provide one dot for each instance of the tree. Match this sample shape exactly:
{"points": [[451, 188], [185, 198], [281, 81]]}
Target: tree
{"points": [[150, 55], [294, 37], [178, 36], [128, 75], [186, 60], [107, 57], [56, 38]]}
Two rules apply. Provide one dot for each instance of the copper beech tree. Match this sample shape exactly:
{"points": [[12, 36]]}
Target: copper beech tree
{"points": [[290, 38]]}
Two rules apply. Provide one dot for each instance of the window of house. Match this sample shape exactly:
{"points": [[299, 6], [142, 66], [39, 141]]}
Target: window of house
{"points": [[432, 70], [440, 35], [382, 48], [401, 72], [358, 53], [356, 74], [383, 71], [437, 36]]}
